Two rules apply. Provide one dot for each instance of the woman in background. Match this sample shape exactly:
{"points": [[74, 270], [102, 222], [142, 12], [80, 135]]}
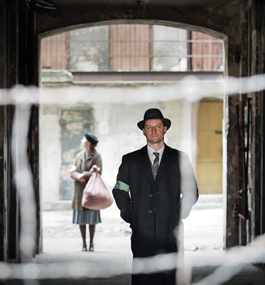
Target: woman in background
{"points": [[80, 172]]}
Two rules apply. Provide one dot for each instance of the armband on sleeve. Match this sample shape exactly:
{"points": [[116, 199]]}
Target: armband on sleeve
{"points": [[122, 186]]}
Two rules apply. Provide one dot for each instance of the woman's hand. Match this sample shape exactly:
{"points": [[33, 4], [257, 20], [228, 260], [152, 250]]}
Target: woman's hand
{"points": [[80, 177], [95, 168]]}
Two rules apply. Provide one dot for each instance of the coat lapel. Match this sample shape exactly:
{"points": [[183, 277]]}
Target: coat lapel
{"points": [[84, 159], [144, 163]]}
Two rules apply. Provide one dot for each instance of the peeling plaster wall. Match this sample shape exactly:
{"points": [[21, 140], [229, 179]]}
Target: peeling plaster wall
{"points": [[115, 127], [50, 153], [116, 110]]}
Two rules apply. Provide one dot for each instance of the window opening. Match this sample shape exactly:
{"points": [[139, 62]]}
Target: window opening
{"points": [[132, 48]]}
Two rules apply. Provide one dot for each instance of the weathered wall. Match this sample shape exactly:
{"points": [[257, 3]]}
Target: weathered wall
{"points": [[116, 108], [234, 32], [50, 152], [115, 127], [256, 20], [202, 17], [245, 58]]}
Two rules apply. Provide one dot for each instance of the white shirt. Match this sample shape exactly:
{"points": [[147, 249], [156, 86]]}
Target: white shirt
{"points": [[151, 151]]}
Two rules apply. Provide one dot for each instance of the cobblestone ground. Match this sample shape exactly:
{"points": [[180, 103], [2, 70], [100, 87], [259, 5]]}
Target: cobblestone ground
{"points": [[60, 235], [203, 231], [111, 262], [62, 241]]}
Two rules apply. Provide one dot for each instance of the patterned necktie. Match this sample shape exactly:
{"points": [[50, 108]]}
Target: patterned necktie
{"points": [[156, 161]]}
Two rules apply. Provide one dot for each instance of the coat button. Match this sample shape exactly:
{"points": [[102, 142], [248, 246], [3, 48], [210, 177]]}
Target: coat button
{"points": [[150, 195], [150, 211]]}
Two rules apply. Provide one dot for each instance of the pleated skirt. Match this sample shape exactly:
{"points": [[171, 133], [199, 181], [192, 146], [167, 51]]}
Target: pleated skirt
{"points": [[87, 217]]}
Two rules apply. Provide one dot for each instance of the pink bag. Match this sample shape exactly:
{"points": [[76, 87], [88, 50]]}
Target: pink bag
{"points": [[96, 195]]}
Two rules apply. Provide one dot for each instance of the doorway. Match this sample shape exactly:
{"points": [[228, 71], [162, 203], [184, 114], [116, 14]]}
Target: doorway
{"points": [[209, 147], [117, 107]]}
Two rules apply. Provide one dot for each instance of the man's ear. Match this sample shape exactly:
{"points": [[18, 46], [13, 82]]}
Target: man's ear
{"points": [[144, 132], [165, 130]]}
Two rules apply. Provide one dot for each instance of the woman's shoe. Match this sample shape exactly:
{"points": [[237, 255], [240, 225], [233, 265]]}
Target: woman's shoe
{"points": [[91, 248], [84, 248]]}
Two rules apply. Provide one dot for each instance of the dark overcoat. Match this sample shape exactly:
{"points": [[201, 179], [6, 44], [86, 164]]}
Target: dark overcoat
{"points": [[153, 206]]}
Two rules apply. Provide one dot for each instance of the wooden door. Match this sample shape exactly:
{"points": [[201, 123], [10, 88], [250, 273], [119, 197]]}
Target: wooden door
{"points": [[209, 147]]}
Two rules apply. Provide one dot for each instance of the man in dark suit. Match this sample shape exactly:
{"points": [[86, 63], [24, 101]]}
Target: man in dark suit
{"points": [[154, 193]]}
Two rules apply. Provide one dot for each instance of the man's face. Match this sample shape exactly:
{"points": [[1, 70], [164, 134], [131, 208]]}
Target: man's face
{"points": [[154, 131]]}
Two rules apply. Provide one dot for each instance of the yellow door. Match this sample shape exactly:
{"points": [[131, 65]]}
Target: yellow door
{"points": [[209, 147]]}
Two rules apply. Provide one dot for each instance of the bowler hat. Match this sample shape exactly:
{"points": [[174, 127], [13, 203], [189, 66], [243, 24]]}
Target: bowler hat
{"points": [[91, 138], [154, 113]]}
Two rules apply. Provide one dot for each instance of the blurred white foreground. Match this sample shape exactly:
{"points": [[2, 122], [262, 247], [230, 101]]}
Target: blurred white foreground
{"points": [[203, 238]]}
